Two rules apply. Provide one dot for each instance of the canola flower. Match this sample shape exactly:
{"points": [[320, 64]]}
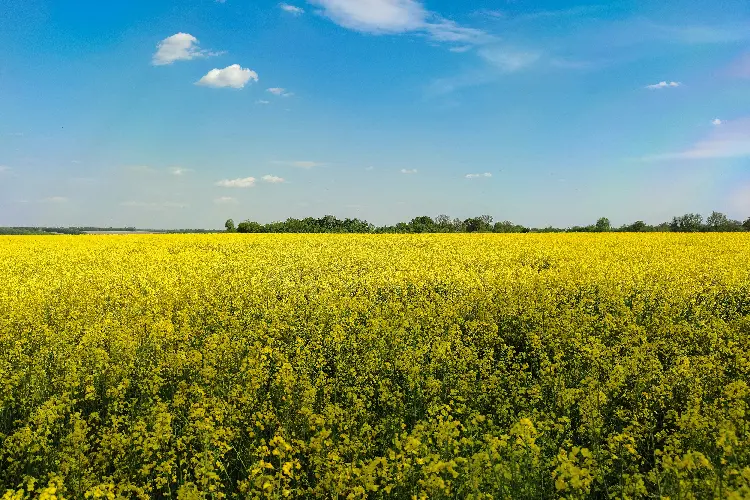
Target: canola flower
{"points": [[373, 366]]}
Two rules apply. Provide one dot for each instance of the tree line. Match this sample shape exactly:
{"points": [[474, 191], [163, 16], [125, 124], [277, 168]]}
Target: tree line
{"points": [[688, 223]]}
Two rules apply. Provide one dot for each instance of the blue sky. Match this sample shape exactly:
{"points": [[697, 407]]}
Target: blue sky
{"points": [[183, 114]]}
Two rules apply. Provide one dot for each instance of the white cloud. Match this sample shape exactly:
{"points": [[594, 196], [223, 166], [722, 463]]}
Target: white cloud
{"points": [[300, 164], [369, 169], [663, 85], [272, 179], [179, 171], [409, 171], [178, 47], [509, 59], [375, 16], [397, 16], [261, 101], [278, 91], [297, 11], [476, 176], [233, 76], [444, 30], [730, 140], [54, 199], [461, 49], [246, 182], [716, 121], [225, 200], [3, 169]]}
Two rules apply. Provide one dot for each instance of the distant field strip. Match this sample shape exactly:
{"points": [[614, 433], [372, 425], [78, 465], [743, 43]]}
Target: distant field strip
{"points": [[374, 366]]}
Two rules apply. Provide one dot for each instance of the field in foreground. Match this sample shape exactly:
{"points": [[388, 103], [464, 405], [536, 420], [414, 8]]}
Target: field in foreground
{"points": [[436, 366]]}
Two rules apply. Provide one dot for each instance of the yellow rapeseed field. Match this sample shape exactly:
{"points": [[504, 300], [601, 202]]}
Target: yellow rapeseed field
{"points": [[372, 366]]}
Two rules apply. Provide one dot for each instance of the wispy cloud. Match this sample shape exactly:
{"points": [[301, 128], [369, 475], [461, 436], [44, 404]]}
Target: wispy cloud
{"points": [[278, 91], [663, 85], [292, 9], [461, 49], [261, 101], [54, 199], [398, 16], [509, 59], [225, 200], [730, 140], [272, 179], [300, 164], [244, 182], [4, 169], [179, 171], [233, 76], [478, 176], [178, 47], [716, 122], [408, 170]]}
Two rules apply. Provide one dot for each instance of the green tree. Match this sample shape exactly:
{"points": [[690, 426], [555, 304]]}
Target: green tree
{"points": [[688, 223], [746, 224], [229, 225], [603, 225]]}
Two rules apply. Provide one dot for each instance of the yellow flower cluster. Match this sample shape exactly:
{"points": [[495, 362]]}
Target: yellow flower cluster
{"points": [[374, 366]]}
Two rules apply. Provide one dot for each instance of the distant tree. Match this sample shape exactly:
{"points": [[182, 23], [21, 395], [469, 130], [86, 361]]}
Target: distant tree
{"points": [[443, 220], [229, 225], [508, 227], [636, 227], [746, 224], [603, 225], [688, 223], [249, 227], [423, 224], [717, 221]]}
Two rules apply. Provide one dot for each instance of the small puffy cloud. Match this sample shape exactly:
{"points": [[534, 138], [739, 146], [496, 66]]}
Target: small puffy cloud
{"points": [[292, 9], [663, 85], [245, 182], [54, 199], [225, 200], [272, 179], [477, 176], [408, 170], [716, 122], [233, 76], [179, 47]]}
